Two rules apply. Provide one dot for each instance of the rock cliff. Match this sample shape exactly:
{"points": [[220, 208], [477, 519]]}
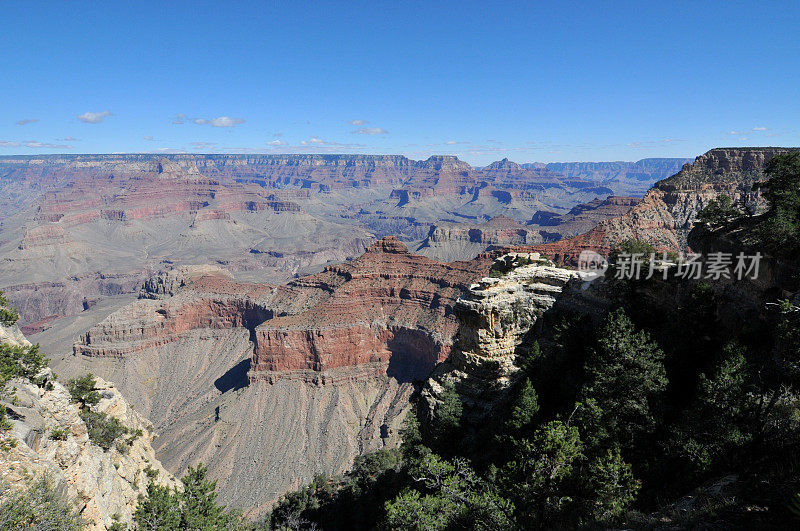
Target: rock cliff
{"points": [[637, 176], [269, 385], [263, 217], [666, 214], [494, 317], [355, 313], [49, 438], [462, 241]]}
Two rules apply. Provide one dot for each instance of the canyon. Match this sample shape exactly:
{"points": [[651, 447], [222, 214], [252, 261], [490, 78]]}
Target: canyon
{"points": [[261, 313], [272, 384], [667, 212], [79, 232]]}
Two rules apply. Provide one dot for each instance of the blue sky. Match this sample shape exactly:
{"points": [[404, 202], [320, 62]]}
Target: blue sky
{"points": [[549, 81]]}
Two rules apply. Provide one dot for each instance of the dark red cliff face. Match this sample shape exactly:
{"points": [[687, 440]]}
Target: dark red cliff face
{"points": [[388, 308]]}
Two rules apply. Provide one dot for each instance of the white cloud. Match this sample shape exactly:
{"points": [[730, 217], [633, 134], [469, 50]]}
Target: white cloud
{"points": [[33, 144], [68, 139], [148, 138], [358, 122], [317, 143], [93, 117], [170, 150], [202, 145], [180, 118], [734, 132], [313, 144], [760, 128], [45, 145], [222, 121], [454, 142], [27, 121], [372, 131]]}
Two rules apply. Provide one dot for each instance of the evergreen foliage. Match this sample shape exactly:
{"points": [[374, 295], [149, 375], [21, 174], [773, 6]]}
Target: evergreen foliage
{"points": [[20, 362], [82, 390], [525, 408], [625, 374], [447, 495], [718, 212], [780, 231], [39, 506], [103, 429], [447, 421], [17, 361], [159, 510], [8, 315], [607, 421], [193, 507]]}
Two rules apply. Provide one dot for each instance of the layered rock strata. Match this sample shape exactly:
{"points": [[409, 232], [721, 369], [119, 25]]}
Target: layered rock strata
{"points": [[667, 213], [265, 218], [386, 302], [462, 241], [281, 382]]}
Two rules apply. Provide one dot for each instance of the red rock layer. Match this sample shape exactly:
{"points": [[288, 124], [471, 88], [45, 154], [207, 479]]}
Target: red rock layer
{"points": [[322, 349], [388, 309]]}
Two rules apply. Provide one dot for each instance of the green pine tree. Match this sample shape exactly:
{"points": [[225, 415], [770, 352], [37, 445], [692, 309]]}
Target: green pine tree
{"points": [[200, 509], [160, 510], [447, 417], [718, 212], [525, 408], [781, 229], [537, 478], [611, 486], [8, 315], [447, 495], [626, 377]]}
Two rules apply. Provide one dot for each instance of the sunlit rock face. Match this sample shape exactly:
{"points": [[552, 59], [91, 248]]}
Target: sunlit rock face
{"points": [[106, 484], [667, 213], [494, 317], [293, 380], [78, 229]]}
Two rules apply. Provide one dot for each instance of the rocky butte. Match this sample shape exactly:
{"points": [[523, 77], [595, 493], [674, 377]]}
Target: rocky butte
{"points": [[494, 318], [270, 385]]}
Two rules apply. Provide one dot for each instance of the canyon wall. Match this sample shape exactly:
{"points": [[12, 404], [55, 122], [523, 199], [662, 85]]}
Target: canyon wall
{"points": [[494, 317], [269, 385], [78, 229], [105, 484], [667, 213]]}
